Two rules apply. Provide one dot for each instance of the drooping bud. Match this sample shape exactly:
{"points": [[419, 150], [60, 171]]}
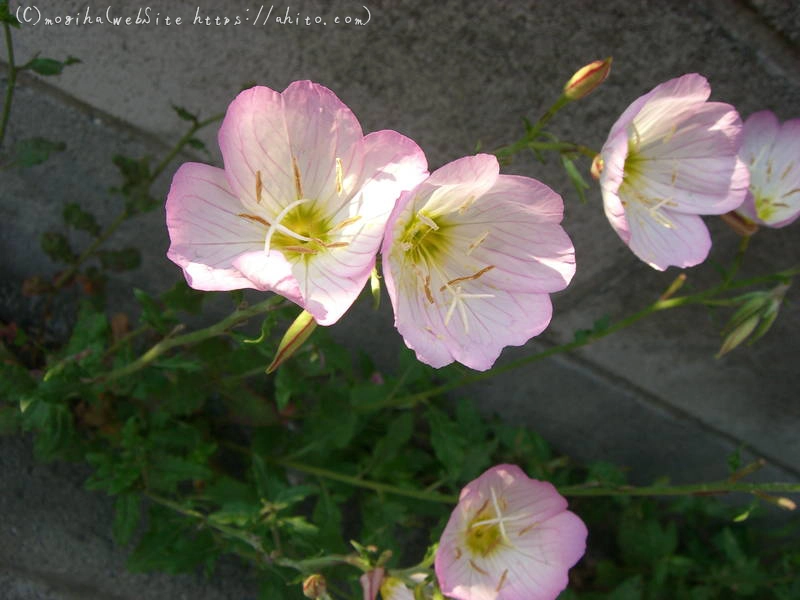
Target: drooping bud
{"points": [[739, 223], [371, 583], [295, 336], [315, 587], [587, 79]]}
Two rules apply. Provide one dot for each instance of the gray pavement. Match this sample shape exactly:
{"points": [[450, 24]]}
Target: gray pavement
{"points": [[449, 75]]}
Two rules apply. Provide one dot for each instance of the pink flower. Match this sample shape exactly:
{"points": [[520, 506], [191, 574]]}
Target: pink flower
{"points": [[509, 538], [772, 153], [469, 259], [301, 205], [669, 158]]}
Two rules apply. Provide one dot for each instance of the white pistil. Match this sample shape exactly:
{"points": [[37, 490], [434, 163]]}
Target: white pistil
{"points": [[276, 226], [458, 301], [500, 519]]}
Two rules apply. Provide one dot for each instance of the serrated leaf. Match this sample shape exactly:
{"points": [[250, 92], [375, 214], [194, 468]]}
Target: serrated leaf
{"points": [[57, 247], [46, 66], [76, 217], [125, 259], [184, 114], [195, 143], [6, 16], [34, 151], [182, 297], [126, 518]]}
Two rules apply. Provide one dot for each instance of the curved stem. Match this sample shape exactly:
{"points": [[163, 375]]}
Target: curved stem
{"points": [[215, 330], [12, 81], [67, 275], [588, 489], [663, 303]]}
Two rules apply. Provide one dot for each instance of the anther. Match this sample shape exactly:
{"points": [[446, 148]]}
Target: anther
{"points": [[298, 185], [477, 568], [481, 238], [502, 580], [427, 287], [259, 186], [428, 221], [345, 223], [467, 278], [255, 218], [339, 176]]}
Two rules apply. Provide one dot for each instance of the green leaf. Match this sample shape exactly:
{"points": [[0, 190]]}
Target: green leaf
{"points": [[448, 441], [126, 518], [76, 217], [46, 66], [184, 114], [642, 539], [126, 259], [6, 16], [630, 589], [34, 151], [57, 247], [578, 182], [152, 314], [182, 297]]}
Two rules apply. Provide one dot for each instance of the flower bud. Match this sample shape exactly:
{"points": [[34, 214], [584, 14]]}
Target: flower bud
{"points": [[587, 79], [315, 587], [298, 332], [597, 167]]}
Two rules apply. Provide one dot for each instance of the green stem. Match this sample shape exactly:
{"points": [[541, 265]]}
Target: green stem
{"points": [[375, 486], [218, 329], [67, 275], [12, 81], [693, 489], [589, 489], [305, 566], [181, 143], [663, 303]]}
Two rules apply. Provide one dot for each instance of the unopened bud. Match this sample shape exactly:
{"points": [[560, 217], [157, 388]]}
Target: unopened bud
{"points": [[315, 587], [298, 332], [597, 167], [587, 79]]}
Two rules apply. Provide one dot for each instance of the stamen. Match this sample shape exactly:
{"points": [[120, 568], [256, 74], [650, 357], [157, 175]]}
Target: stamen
{"points": [[476, 567], [637, 139], [336, 244], [769, 169], [458, 552], [300, 249], [276, 226], [467, 278], [794, 191], [427, 287], [298, 185], [255, 218], [526, 529], [428, 221], [464, 207], [670, 133], [477, 242], [502, 580], [259, 187], [787, 171], [339, 176], [345, 223]]}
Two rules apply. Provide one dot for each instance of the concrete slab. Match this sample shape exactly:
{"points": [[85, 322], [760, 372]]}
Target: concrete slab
{"points": [[55, 542]]}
